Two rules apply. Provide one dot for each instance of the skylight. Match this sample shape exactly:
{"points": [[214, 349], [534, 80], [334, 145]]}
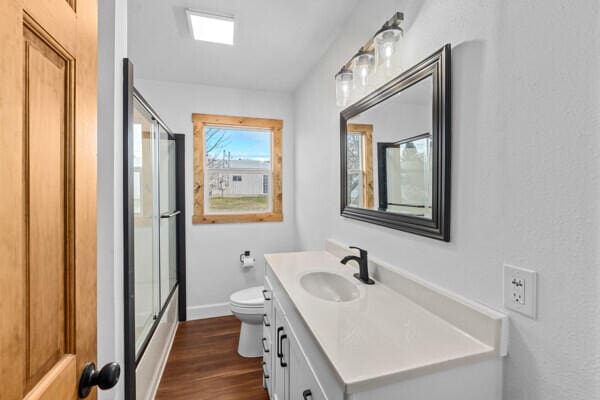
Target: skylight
{"points": [[211, 27]]}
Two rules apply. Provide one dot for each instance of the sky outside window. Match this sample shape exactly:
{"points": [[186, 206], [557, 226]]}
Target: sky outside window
{"points": [[239, 144]]}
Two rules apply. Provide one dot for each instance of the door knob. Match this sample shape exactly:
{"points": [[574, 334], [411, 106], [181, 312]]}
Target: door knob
{"points": [[106, 378]]}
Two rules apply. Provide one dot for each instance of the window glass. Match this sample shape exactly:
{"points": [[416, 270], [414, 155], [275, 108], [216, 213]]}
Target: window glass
{"points": [[237, 160], [355, 169]]}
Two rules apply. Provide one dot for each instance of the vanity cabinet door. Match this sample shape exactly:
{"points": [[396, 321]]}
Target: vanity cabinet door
{"points": [[281, 355], [303, 383]]}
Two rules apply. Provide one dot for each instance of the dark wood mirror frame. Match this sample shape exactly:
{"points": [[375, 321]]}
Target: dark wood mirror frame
{"points": [[436, 66]]}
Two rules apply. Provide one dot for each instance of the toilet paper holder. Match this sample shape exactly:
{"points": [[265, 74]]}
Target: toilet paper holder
{"points": [[246, 259]]}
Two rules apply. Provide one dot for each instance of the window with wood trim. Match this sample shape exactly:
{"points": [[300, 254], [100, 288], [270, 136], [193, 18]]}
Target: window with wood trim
{"points": [[237, 169], [360, 165]]}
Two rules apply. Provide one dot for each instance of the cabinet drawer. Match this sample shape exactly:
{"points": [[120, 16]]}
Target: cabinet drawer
{"points": [[267, 322], [268, 297], [267, 343], [267, 378]]}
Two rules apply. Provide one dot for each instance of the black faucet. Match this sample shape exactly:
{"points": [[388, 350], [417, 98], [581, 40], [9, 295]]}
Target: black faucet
{"points": [[363, 265]]}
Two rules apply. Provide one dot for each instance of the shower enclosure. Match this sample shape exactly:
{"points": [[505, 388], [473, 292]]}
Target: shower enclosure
{"points": [[154, 226]]}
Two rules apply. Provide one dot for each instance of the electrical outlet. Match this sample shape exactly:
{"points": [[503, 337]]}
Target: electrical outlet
{"points": [[520, 290], [517, 290]]}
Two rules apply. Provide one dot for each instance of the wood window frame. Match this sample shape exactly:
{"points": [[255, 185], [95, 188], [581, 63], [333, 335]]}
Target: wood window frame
{"points": [[366, 131], [200, 121]]}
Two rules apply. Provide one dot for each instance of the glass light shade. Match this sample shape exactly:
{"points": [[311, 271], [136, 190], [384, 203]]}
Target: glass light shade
{"points": [[386, 40], [363, 64], [343, 85]]}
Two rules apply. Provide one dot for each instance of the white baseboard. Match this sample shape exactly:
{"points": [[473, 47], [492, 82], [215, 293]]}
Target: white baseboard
{"points": [[208, 311]]}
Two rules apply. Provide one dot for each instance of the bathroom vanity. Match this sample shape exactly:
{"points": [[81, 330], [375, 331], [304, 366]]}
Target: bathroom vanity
{"points": [[329, 336]]}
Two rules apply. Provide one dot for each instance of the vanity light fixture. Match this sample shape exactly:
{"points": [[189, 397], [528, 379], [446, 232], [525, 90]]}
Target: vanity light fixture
{"points": [[378, 50], [210, 27]]}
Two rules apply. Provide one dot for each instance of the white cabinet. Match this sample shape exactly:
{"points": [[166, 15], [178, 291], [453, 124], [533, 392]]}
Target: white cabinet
{"points": [[288, 374]]}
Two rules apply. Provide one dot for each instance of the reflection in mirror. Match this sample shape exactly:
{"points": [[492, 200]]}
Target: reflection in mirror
{"points": [[360, 165], [405, 175], [391, 144]]}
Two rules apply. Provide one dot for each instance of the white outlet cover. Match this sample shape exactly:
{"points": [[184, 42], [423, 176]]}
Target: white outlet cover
{"points": [[522, 299]]}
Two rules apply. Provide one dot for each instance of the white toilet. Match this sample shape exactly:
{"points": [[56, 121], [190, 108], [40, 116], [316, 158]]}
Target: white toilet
{"points": [[248, 306]]}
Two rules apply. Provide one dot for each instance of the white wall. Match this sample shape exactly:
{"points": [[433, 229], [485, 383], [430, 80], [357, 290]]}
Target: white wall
{"points": [[524, 171], [112, 47], [213, 268]]}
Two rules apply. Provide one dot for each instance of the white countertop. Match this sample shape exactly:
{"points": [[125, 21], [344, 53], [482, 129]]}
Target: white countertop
{"points": [[378, 338]]}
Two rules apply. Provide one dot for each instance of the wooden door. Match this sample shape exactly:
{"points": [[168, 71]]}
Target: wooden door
{"points": [[47, 196]]}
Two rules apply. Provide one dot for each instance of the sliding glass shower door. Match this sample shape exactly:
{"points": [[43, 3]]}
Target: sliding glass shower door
{"points": [[145, 222], [154, 220], [154, 231], [168, 215]]}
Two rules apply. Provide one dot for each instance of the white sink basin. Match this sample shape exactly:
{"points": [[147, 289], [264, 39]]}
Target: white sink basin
{"points": [[328, 286]]}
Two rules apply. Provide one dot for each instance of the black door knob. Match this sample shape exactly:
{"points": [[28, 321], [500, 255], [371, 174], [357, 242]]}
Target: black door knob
{"points": [[106, 378]]}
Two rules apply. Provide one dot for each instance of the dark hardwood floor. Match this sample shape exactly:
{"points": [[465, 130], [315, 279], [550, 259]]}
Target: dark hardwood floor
{"points": [[204, 364]]}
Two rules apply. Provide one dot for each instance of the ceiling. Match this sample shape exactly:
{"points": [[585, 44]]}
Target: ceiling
{"points": [[276, 42]]}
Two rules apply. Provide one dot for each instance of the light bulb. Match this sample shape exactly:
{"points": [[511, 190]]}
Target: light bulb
{"points": [[363, 62], [364, 72], [343, 80], [345, 87], [386, 40], [388, 50]]}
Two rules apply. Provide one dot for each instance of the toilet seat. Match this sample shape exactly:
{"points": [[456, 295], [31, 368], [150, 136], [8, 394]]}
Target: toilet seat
{"points": [[246, 310], [251, 298]]}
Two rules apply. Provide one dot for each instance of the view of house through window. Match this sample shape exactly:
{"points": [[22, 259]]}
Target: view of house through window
{"points": [[237, 169], [237, 165]]}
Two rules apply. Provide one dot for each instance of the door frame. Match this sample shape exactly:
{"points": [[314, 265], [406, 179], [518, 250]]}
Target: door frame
{"points": [[131, 360]]}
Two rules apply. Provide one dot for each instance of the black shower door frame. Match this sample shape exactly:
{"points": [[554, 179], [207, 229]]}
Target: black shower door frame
{"points": [[131, 359]]}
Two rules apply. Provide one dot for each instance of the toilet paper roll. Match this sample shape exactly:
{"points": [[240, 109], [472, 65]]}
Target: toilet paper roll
{"points": [[247, 262]]}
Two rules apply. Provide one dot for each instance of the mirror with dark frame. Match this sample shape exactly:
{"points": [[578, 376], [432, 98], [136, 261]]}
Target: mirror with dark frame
{"points": [[395, 152]]}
